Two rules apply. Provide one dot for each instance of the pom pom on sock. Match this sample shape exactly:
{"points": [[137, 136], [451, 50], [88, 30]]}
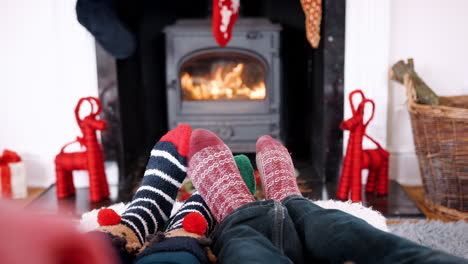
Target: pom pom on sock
{"points": [[195, 223], [107, 217]]}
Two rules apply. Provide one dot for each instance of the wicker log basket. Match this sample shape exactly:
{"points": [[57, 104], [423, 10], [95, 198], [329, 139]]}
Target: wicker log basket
{"points": [[440, 135]]}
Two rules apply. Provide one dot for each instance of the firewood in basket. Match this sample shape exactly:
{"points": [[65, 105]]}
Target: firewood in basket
{"points": [[424, 94]]}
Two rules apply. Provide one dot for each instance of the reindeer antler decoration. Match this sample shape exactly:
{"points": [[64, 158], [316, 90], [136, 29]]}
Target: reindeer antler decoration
{"points": [[91, 159], [357, 159]]}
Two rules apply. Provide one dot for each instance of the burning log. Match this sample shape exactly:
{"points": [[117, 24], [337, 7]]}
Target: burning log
{"points": [[224, 82]]}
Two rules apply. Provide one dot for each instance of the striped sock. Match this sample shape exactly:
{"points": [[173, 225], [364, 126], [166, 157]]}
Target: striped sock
{"points": [[152, 203], [195, 203], [276, 169], [215, 175]]}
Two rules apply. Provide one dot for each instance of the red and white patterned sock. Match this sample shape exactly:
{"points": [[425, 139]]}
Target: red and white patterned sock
{"points": [[276, 169], [225, 14], [215, 175]]}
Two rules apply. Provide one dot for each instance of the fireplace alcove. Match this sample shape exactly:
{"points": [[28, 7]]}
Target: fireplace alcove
{"points": [[310, 88]]}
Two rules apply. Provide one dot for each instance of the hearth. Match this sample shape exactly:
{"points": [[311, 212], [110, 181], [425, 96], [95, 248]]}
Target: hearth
{"points": [[233, 91]]}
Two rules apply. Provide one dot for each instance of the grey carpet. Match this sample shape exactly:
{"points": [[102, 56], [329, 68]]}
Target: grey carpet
{"points": [[449, 237]]}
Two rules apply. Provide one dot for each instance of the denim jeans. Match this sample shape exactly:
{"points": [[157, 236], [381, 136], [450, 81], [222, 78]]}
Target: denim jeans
{"points": [[298, 231]]}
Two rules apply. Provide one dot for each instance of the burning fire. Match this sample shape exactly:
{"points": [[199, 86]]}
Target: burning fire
{"points": [[221, 85]]}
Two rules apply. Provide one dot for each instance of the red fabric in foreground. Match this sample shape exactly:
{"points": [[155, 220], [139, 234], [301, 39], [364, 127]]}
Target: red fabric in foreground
{"points": [[32, 238]]}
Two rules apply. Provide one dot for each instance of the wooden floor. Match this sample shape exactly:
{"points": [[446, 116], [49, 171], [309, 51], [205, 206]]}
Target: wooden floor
{"points": [[417, 195], [33, 193]]}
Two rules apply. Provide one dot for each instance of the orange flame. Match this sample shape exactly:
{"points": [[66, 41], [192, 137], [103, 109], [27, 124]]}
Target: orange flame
{"points": [[221, 85]]}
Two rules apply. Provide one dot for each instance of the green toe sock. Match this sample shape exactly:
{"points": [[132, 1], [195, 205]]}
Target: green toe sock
{"points": [[247, 172]]}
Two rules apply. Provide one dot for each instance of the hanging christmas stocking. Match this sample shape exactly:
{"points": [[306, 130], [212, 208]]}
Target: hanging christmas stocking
{"points": [[100, 18], [225, 14], [313, 14]]}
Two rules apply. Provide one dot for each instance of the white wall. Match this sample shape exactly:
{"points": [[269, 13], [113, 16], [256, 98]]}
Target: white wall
{"points": [[435, 34], [366, 60], [366, 63], [47, 63], [379, 33]]}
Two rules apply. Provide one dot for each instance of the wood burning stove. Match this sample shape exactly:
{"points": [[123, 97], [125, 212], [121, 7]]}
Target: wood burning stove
{"points": [[233, 91]]}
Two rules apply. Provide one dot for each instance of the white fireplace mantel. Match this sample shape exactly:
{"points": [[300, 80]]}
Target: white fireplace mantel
{"points": [[367, 47]]}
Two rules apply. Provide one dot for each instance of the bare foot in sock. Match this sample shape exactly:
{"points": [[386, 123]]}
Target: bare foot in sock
{"points": [[195, 220], [276, 169], [152, 203], [196, 204], [215, 175]]}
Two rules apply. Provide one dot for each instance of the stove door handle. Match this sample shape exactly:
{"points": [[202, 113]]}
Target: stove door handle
{"points": [[172, 84], [254, 35]]}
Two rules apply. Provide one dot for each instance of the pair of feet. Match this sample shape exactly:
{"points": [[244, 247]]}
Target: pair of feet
{"points": [[214, 173]]}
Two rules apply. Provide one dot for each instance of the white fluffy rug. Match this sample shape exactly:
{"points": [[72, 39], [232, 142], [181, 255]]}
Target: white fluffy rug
{"points": [[88, 220]]}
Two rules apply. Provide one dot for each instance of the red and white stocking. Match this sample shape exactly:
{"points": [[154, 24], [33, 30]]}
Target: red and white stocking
{"points": [[225, 14]]}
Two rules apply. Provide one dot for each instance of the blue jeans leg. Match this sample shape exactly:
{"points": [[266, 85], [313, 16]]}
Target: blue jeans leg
{"points": [[259, 232], [336, 236]]}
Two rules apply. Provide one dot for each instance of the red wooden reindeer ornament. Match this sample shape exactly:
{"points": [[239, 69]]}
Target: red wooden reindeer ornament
{"points": [[91, 159], [376, 161], [357, 159]]}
